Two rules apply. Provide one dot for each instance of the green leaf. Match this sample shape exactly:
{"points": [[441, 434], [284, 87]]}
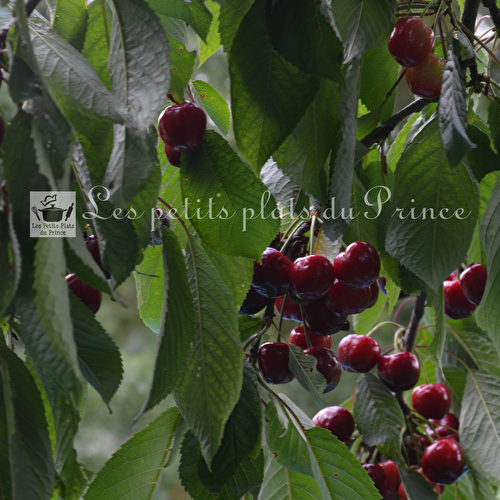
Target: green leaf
{"points": [[432, 240], [363, 322], [231, 15], [481, 159], [225, 199], [268, 94], [494, 122], [134, 470], [363, 24], [416, 487], [301, 34], [302, 156], [177, 323], [211, 384], [456, 378], [25, 434], [181, 67], [453, 111], [213, 43], [438, 342], [213, 103], [480, 425], [248, 325], [69, 19], [377, 413]]}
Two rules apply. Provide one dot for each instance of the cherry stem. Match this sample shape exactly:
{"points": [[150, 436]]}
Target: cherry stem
{"points": [[393, 88], [441, 33], [173, 211], [280, 323], [255, 336], [171, 98], [311, 239], [398, 333], [306, 330], [304, 227], [483, 45], [380, 325]]}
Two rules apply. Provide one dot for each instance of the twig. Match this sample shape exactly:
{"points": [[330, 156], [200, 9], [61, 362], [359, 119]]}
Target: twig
{"points": [[494, 12], [469, 16], [416, 315]]}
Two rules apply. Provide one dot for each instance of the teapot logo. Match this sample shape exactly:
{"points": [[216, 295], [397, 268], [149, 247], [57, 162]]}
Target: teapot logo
{"points": [[52, 214]]}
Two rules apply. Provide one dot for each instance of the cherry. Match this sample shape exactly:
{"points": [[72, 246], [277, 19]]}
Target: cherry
{"points": [[431, 400], [321, 320], [253, 303], [173, 157], [456, 304], [392, 479], [311, 277], [291, 312], [399, 371], [163, 217], [343, 300], [358, 353], [182, 126], [271, 278], [374, 289], [88, 295], [298, 338], [443, 461], [337, 420], [411, 41], [425, 79], [328, 365], [450, 420], [358, 266], [377, 475], [93, 245], [273, 362], [453, 276], [473, 281]]}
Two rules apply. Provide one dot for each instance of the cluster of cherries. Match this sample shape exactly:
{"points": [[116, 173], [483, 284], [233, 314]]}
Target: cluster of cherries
{"points": [[182, 128], [410, 44], [462, 296]]}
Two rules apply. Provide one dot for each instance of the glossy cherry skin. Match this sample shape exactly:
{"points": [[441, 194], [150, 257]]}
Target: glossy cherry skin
{"points": [[473, 281], [411, 41], [291, 312], [358, 266], [253, 303], [343, 300], [328, 365], [311, 277], [453, 276], [431, 400], [182, 126], [399, 371], [358, 353], [337, 420], [298, 338], [273, 362], [93, 245], [450, 420], [377, 475], [321, 320], [456, 304], [426, 78], [374, 290], [392, 479], [443, 461], [89, 296], [173, 157], [271, 277]]}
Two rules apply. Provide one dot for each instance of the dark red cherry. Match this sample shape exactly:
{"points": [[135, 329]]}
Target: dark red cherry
{"points": [[291, 312], [426, 78], [298, 338], [473, 281], [446, 424], [182, 126], [456, 304], [358, 266], [343, 300], [311, 277], [431, 400], [321, 320], [399, 371], [453, 276], [392, 479], [163, 217], [273, 362], [358, 353], [411, 41], [254, 302], [93, 245], [173, 157], [271, 277], [88, 295], [374, 289], [328, 365], [443, 461], [337, 420], [377, 475]]}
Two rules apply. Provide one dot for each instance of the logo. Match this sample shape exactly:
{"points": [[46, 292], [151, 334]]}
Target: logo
{"points": [[52, 214]]}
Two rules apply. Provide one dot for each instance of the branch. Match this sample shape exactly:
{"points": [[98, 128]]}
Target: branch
{"points": [[382, 131], [30, 6], [416, 316], [494, 12], [469, 21]]}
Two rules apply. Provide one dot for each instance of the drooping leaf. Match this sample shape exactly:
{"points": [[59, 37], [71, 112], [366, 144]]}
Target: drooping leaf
{"points": [[416, 487], [213, 42], [248, 325], [438, 342], [481, 159], [456, 378], [181, 67], [215, 105], [69, 19], [232, 13]]}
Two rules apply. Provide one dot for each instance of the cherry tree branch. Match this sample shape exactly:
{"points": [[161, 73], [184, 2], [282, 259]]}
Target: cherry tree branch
{"points": [[494, 12], [416, 315], [469, 16]]}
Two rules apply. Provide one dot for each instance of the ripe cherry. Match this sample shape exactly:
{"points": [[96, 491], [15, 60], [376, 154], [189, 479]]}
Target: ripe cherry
{"points": [[411, 41], [446, 424], [89, 296], [431, 400], [374, 290], [473, 281], [182, 126], [311, 277], [426, 78], [456, 304], [328, 365], [93, 245], [273, 362], [358, 353], [321, 320], [173, 157], [399, 371], [337, 420], [271, 277], [453, 276], [291, 312], [343, 300], [298, 338], [443, 461], [377, 475], [253, 303], [392, 479], [358, 266]]}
